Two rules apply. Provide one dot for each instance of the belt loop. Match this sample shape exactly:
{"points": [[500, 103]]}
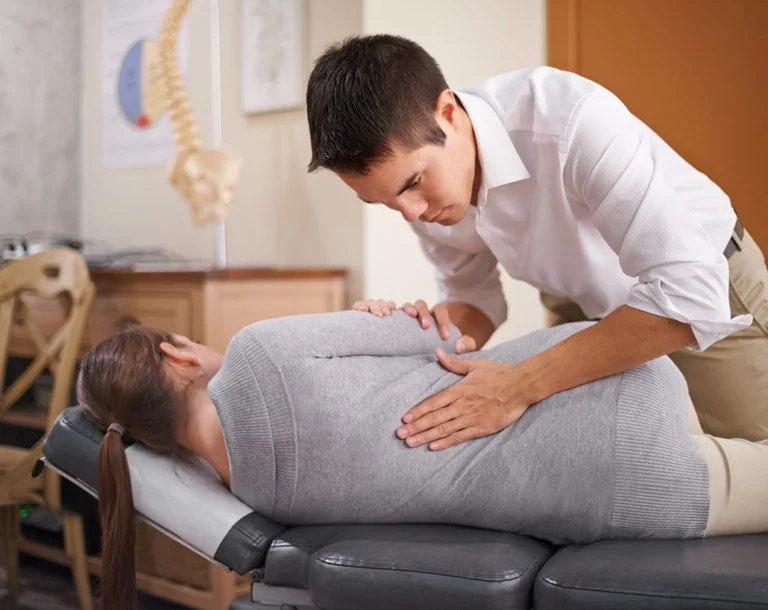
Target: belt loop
{"points": [[738, 233]]}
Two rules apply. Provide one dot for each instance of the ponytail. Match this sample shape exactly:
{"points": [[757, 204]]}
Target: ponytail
{"points": [[118, 526]]}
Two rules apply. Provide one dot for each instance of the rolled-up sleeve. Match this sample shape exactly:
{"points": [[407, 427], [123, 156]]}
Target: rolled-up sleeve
{"points": [[612, 169], [466, 277]]}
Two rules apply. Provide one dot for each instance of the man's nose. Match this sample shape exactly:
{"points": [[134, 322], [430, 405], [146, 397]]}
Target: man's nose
{"points": [[412, 208]]}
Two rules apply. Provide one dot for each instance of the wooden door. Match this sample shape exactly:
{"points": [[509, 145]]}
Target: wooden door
{"points": [[695, 71]]}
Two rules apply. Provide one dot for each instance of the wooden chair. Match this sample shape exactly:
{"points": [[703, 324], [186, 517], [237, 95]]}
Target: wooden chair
{"points": [[48, 275]]}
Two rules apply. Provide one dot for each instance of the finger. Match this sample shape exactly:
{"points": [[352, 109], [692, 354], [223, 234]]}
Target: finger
{"points": [[458, 437], [441, 430], [443, 321], [392, 305], [384, 305], [456, 365], [375, 308], [465, 344], [360, 306], [425, 316], [433, 403], [430, 421], [410, 309]]}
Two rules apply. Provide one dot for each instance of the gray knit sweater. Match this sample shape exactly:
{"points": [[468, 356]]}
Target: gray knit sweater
{"points": [[310, 404]]}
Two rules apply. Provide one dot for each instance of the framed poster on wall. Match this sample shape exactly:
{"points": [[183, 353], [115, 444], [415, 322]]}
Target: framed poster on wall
{"points": [[273, 52]]}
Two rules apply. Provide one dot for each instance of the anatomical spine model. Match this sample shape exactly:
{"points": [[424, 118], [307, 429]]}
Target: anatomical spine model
{"points": [[205, 177]]}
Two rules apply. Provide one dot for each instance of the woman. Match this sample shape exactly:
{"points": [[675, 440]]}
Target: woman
{"points": [[298, 419]]}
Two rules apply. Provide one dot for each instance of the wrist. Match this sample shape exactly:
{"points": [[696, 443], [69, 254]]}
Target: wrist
{"points": [[471, 321], [537, 377]]}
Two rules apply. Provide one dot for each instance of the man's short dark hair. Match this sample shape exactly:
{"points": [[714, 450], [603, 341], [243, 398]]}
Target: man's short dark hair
{"points": [[367, 93]]}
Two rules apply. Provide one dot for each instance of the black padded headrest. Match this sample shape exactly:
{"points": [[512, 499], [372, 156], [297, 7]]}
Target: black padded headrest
{"points": [[186, 501]]}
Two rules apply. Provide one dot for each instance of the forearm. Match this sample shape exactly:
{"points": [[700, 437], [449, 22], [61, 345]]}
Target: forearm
{"points": [[471, 321], [625, 338]]}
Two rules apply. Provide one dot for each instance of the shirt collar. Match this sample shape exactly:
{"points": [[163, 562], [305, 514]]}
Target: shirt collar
{"points": [[499, 160]]}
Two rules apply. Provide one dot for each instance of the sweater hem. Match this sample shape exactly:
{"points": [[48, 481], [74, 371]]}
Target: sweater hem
{"points": [[661, 484]]}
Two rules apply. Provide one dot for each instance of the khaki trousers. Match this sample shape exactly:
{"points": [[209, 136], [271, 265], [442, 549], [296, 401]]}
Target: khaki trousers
{"points": [[728, 382], [738, 482]]}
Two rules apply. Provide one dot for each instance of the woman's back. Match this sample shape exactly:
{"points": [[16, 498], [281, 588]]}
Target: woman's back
{"points": [[310, 406]]}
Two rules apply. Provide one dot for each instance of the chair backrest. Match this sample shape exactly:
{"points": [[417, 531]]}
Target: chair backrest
{"points": [[52, 274]]}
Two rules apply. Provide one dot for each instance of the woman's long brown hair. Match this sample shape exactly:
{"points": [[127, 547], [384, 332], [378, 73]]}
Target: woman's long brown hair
{"points": [[122, 381], [118, 527]]}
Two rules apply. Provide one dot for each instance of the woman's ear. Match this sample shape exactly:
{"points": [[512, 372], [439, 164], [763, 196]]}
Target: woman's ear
{"points": [[179, 357]]}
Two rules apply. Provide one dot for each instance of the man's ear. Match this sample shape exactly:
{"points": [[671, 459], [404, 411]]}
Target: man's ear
{"points": [[447, 106], [179, 357]]}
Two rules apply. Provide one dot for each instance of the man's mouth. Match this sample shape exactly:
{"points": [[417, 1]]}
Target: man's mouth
{"points": [[434, 217]]}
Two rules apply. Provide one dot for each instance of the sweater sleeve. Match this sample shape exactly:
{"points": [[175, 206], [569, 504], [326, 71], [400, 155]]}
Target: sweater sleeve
{"points": [[347, 333]]}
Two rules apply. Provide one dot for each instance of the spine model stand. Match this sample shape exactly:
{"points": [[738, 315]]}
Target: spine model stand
{"points": [[205, 177]]}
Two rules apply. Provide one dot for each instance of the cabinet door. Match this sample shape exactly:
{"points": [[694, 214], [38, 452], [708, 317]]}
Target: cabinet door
{"points": [[231, 305], [170, 311], [693, 70], [109, 312]]}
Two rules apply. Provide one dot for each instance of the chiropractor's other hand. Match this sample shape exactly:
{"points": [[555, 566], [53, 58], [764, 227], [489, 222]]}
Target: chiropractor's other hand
{"points": [[440, 315], [486, 401], [378, 307], [426, 317]]}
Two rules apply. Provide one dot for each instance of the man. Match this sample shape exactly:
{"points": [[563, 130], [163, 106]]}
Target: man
{"points": [[549, 175]]}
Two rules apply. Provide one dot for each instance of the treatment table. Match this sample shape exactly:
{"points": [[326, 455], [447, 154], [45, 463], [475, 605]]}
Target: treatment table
{"points": [[424, 567]]}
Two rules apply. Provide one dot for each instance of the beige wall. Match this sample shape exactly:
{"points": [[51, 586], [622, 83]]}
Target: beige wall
{"points": [[39, 107], [281, 215], [471, 40]]}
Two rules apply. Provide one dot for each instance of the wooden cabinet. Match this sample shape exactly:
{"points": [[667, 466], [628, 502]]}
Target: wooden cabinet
{"points": [[209, 307]]}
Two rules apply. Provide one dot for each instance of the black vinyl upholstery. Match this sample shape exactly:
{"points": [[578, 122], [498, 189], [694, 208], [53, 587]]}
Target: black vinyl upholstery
{"points": [[385, 566], [716, 574], [73, 446], [450, 569]]}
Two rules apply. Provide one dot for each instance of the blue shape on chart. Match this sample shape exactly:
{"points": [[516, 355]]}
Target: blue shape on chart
{"points": [[129, 83]]}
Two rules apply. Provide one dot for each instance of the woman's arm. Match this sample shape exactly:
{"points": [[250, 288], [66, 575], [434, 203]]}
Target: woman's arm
{"points": [[347, 333]]}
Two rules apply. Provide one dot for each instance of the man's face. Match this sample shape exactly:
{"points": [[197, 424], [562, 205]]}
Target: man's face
{"points": [[431, 183]]}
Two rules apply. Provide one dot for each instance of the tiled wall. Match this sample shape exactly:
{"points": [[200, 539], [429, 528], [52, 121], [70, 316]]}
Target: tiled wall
{"points": [[39, 116]]}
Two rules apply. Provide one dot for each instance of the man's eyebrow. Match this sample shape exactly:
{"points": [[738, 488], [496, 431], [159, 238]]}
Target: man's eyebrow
{"points": [[408, 183]]}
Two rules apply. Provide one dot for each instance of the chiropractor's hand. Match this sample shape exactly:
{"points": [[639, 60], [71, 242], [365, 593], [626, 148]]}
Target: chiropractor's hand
{"points": [[486, 401], [419, 310], [439, 314]]}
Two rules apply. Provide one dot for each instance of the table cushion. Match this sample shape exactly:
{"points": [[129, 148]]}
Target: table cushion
{"points": [[717, 573], [407, 566]]}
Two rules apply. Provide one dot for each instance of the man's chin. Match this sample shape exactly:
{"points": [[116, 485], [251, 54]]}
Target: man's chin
{"points": [[452, 215]]}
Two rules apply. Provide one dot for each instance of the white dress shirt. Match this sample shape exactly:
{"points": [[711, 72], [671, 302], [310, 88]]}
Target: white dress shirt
{"points": [[582, 200]]}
